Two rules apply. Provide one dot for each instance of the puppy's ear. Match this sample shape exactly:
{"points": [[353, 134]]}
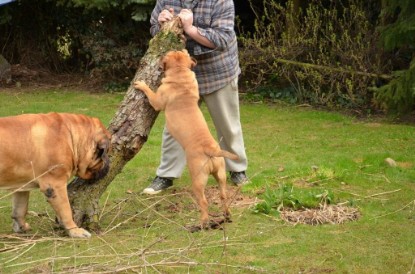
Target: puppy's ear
{"points": [[193, 62], [163, 61], [185, 51]]}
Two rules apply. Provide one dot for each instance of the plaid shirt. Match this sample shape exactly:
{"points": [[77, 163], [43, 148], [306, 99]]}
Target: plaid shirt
{"points": [[214, 19]]}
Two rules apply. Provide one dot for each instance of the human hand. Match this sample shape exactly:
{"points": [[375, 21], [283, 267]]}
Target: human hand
{"points": [[165, 15], [186, 16]]}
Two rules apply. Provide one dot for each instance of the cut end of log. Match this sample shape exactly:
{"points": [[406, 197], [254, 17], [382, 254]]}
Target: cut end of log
{"points": [[175, 25]]}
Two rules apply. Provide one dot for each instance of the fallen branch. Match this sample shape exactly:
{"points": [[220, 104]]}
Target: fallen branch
{"points": [[377, 217], [370, 196]]}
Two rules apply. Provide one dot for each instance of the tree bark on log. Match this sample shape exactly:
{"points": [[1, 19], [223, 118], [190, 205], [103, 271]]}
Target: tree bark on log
{"points": [[129, 127]]}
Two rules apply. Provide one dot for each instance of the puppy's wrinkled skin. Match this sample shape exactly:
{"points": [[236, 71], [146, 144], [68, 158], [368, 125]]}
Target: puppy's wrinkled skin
{"points": [[178, 97], [44, 151]]}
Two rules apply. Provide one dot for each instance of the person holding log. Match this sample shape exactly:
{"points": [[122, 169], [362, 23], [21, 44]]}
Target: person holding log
{"points": [[211, 40]]}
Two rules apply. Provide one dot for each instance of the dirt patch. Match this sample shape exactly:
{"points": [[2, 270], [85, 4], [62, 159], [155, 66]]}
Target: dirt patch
{"points": [[328, 214], [27, 80], [236, 198]]}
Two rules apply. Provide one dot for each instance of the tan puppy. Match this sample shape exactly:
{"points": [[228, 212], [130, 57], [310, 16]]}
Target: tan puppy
{"points": [[44, 151], [178, 96]]}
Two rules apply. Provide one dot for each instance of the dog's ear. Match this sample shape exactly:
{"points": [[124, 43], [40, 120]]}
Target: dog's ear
{"points": [[103, 145], [163, 61], [193, 62]]}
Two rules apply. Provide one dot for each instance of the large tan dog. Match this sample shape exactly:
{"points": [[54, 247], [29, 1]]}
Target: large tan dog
{"points": [[178, 96], [44, 151]]}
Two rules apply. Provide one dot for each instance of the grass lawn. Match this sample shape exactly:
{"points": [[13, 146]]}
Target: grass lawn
{"points": [[311, 151]]}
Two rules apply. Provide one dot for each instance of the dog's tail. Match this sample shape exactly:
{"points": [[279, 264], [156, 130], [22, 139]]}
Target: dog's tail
{"points": [[221, 153]]}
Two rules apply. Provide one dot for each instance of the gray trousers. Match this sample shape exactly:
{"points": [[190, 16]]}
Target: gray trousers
{"points": [[223, 107]]}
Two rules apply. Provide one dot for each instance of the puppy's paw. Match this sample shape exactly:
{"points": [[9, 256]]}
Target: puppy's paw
{"points": [[78, 232], [21, 228], [140, 85]]}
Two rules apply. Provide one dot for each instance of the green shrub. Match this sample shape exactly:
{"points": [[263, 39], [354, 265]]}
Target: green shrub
{"points": [[398, 96], [398, 36], [105, 38], [288, 196], [321, 50], [109, 57]]}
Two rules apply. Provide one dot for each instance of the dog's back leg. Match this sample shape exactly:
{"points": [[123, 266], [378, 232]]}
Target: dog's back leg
{"points": [[219, 173], [199, 179]]}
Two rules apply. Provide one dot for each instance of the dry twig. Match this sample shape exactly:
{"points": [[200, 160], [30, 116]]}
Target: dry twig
{"points": [[331, 214]]}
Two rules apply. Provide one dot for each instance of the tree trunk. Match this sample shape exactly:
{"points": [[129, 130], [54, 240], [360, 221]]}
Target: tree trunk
{"points": [[129, 127]]}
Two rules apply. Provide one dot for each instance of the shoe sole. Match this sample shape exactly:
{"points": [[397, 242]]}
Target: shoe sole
{"points": [[151, 191]]}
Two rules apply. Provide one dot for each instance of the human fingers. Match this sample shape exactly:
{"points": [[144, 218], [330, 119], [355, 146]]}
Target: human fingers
{"points": [[185, 12], [186, 17], [165, 15]]}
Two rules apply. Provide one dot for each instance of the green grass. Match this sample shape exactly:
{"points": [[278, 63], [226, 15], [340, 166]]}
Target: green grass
{"points": [[311, 150]]}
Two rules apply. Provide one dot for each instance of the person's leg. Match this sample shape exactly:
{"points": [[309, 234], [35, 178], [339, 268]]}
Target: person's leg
{"points": [[172, 163], [223, 106], [173, 158]]}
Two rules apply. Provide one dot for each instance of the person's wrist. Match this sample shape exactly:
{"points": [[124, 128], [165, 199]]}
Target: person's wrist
{"points": [[189, 29]]}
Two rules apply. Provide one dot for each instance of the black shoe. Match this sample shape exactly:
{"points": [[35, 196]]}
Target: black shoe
{"points": [[239, 178], [158, 184]]}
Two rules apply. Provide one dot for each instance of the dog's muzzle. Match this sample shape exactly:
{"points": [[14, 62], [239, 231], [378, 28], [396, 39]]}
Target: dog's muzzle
{"points": [[101, 173]]}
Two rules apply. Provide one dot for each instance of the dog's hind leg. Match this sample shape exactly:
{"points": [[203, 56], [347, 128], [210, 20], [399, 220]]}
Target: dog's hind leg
{"points": [[20, 203], [220, 176], [199, 179]]}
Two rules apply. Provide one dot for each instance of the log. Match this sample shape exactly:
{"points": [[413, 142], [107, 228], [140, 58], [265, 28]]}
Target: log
{"points": [[129, 127]]}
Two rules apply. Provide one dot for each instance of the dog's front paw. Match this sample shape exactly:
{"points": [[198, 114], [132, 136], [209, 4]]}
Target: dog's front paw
{"points": [[139, 85], [78, 232], [21, 228]]}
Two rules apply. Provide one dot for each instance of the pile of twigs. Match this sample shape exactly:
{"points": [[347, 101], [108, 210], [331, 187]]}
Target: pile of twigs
{"points": [[325, 214]]}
